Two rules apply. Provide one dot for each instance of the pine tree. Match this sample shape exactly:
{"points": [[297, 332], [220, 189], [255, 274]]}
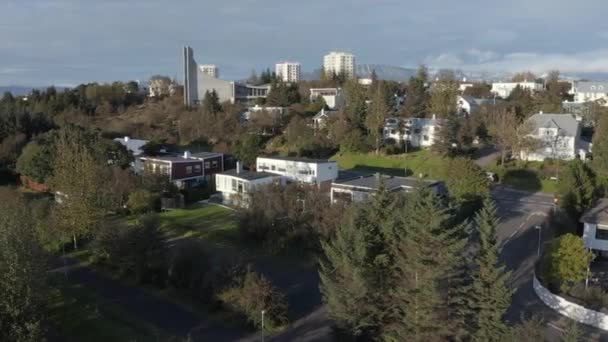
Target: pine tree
{"points": [[428, 297], [379, 109], [490, 296], [354, 274]]}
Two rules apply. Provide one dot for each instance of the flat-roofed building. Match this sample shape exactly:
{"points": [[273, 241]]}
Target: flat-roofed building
{"points": [[311, 171], [288, 71]]}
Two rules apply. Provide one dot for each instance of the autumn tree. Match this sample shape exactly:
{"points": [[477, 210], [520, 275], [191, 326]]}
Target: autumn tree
{"points": [[479, 90], [566, 261], [502, 126], [443, 96], [524, 76]]}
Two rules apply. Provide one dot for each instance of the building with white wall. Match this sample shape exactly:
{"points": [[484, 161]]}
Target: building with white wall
{"points": [[210, 70], [288, 71], [333, 97], [590, 92], [135, 147], [504, 89], [595, 233], [558, 137], [340, 63], [417, 132], [236, 185], [311, 171]]}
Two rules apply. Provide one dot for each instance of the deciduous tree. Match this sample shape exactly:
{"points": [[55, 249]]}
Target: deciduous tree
{"points": [[566, 261]]}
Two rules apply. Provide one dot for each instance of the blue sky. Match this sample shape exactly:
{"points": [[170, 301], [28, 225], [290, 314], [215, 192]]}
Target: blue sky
{"points": [[67, 42]]}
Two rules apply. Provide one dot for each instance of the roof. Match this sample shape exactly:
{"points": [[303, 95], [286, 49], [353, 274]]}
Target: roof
{"points": [[326, 113], [597, 214], [390, 182], [566, 122], [298, 159], [172, 159], [204, 155], [416, 122], [133, 145], [247, 174], [591, 87]]}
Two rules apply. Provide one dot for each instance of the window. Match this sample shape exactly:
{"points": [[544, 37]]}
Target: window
{"points": [[197, 168], [601, 233], [188, 170], [425, 138], [272, 167], [207, 165], [234, 184], [214, 163], [281, 169]]}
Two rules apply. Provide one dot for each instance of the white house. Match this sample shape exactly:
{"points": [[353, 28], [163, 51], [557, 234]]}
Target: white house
{"points": [[558, 136], [312, 171], [320, 119], [361, 188], [135, 147], [334, 97], [590, 92], [274, 112], [504, 89], [235, 185], [595, 234], [418, 132]]}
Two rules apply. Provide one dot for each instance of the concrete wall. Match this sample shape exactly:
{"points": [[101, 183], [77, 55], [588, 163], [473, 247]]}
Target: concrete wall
{"points": [[317, 172], [571, 310]]}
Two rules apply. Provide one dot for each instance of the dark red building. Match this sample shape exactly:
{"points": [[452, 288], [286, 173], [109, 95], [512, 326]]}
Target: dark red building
{"points": [[186, 170]]}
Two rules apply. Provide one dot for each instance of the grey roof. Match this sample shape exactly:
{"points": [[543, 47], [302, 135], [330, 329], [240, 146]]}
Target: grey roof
{"points": [[597, 214], [173, 159], [247, 175], [133, 145], [326, 113], [391, 183], [591, 87], [567, 122], [298, 159], [203, 155]]}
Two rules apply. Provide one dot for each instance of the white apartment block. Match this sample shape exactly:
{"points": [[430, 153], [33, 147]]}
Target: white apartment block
{"points": [[311, 171], [288, 71], [210, 70], [590, 92], [340, 63], [418, 132], [504, 89], [334, 97]]}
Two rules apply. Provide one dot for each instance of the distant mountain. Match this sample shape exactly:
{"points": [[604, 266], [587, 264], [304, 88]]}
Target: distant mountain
{"points": [[384, 72], [23, 90]]}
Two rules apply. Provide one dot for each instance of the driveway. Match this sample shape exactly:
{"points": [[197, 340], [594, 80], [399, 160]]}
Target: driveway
{"points": [[486, 155]]}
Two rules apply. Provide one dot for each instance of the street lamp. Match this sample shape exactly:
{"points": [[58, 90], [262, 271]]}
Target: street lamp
{"points": [[539, 227], [263, 312]]}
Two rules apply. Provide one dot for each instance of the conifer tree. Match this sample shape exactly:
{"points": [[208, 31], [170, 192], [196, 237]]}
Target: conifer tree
{"points": [[490, 296]]}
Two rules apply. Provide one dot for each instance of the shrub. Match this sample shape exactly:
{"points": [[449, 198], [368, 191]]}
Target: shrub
{"points": [[188, 267], [141, 201], [253, 293]]}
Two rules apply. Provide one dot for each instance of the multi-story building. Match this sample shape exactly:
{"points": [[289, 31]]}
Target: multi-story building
{"points": [[197, 83], [417, 132], [504, 89], [558, 137], [210, 70], [590, 92], [333, 97], [236, 185], [186, 170], [312, 171], [288, 71], [595, 233], [340, 63]]}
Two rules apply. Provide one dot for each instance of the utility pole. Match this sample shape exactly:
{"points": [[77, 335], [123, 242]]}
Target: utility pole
{"points": [[539, 227], [263, 312]]}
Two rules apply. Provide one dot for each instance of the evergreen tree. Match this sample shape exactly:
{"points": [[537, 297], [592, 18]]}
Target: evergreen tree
{"points": [[378, 112], [211, 103], [427, 301], [417, 98], [354, 280], [490, 296], [600, 146], [576, 188]]}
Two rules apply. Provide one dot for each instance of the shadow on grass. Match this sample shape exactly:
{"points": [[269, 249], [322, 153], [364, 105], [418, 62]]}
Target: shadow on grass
{"points": [[383, 170], [527, 180]]}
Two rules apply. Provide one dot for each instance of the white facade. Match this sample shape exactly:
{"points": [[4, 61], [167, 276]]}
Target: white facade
{"points": [[419, 132], [210, 70], [288, 71], [310, 171], [334, 97], [590, 92], [596, 236], [558, 136], [235, 188], [340, 63], [504, 89]]}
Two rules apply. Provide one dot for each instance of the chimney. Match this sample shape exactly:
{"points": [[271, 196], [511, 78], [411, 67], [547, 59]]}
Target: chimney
{"points": [[541, 112], [187, 155], [239, 167], [323, 111], [126, 139]]}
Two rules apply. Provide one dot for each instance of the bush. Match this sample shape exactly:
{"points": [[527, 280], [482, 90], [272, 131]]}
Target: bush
{"points": [[565, 261], [188, 267], [354, 142], [142, 201], [250, 295]]}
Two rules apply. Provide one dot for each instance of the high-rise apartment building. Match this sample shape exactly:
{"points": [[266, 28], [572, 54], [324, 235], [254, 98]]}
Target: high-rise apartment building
{"points": [[339, 63], [288, 71], [210, 70]]}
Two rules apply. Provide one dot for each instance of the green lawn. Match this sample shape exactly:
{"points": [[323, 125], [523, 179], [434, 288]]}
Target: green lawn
{"points": [[422, 161], [211, 223], [78, 314]]}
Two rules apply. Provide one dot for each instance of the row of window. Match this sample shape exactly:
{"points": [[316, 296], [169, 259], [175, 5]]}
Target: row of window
{"points": [[264, 167], [197, 167]]}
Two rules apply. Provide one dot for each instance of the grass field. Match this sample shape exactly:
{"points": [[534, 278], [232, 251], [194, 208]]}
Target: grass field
{"points": [[211, 223], [78, 314], [422, 161]]}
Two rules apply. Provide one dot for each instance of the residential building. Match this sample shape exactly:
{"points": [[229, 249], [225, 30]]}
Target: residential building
{"points": [[311, 171], [135, 147], [463, 86], [274, 112], [160, 86], [288, 71], [333, 97], [595, 233], [186, 170], [504, 89], [365, 81], [417, 132], [558, 136], [235, 185], [210, 70], [340, 63], [590, 92], [359, 189], [197, 82], [467, 105], [320, 119]]}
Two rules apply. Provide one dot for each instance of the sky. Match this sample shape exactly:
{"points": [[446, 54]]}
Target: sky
{"points": [[68, 42]]}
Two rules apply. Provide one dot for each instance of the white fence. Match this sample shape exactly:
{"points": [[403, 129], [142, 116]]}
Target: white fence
{"points": [[571, 310]]}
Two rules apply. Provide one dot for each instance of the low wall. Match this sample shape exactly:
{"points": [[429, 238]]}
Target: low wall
{"points": [[571, 310]]}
